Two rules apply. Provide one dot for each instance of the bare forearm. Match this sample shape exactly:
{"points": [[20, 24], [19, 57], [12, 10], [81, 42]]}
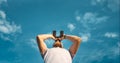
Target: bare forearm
{"points": [[44, 36], [73, 38]]}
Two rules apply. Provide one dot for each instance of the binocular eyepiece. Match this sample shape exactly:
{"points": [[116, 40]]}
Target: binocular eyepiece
{"points": [[58, 37]]}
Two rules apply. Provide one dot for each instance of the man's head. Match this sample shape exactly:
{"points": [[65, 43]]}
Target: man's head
{"points": [[58, 44]]}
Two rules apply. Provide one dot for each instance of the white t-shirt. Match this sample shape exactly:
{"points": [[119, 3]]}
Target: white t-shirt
{"points": [[57, 55]]}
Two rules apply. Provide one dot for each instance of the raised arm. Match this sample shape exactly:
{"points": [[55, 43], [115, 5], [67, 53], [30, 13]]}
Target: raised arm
{"points": [[76, 42], [41, 44]]}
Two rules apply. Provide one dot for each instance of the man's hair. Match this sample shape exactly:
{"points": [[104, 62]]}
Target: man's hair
{"points": [[58, 44]]}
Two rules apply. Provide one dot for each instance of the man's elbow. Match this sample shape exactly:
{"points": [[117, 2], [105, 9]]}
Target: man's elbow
{"points": [[79, 39], [39, 37]]}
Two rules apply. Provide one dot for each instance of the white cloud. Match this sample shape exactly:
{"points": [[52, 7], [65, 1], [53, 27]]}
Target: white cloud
{"points": [[78, 18], [2, 15], [118, 44], [111, 35], [6, 38], [88, 16], [89, 21], [33, 44], [85, 36], [115, 50], [1, 1], [92, 18], [101, 19], [95, 2], [110, 52], [113, 5], [71, 27], [7, 29], [49, 42]]}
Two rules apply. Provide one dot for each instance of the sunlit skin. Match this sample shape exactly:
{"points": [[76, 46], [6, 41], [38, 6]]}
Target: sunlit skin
{"points": [[73, 48]]}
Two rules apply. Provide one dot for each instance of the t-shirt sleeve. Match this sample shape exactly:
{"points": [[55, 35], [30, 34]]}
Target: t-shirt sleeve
{"points": [[71, 54], [44, 53]]}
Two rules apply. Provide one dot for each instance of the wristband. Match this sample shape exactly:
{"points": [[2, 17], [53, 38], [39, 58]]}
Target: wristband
{"points": [[65, 36]]}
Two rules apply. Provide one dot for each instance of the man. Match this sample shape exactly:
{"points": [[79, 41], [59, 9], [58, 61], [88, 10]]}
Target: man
{"points": [[58, 54]]}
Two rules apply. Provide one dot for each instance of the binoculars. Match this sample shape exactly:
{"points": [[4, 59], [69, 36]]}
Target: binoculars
{"points": [[58, 37]]}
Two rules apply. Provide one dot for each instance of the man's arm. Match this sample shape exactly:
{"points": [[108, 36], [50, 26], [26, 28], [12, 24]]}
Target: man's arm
{"points": [[41, 44], [76, 42]]}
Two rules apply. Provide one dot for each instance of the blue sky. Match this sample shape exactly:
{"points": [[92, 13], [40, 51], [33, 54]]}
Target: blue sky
{"points": [[97, 22]]}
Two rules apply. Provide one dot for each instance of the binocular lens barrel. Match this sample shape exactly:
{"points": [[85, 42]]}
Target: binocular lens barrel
{"points": [[54, 33], [61, 34]]}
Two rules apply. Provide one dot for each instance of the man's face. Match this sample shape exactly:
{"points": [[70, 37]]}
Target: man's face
{"points": [[57, 44]]}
